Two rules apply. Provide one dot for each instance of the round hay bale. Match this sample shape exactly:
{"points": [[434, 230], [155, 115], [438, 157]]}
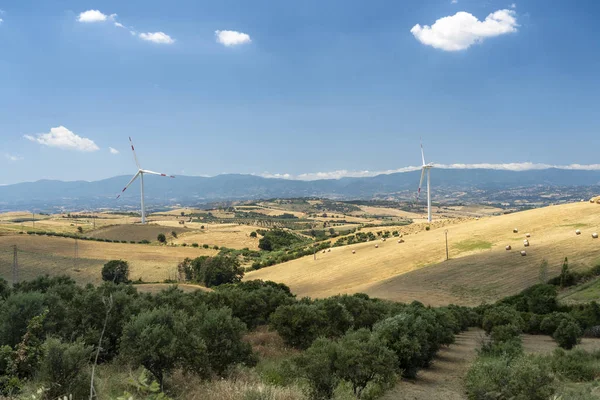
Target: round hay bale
{"points": [[515, 230], [383, 239], [595, 235], [329, 250], [578, 232], [400, 241], [526, 243], [528, 235], [353, 251], [508, 248], [376, 246], [323, 251], [523, 253]]}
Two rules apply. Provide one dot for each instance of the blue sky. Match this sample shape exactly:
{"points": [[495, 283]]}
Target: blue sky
{"points": [[295, 88]]}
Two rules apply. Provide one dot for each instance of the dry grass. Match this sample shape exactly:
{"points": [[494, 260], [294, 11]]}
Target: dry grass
{"points": [[243, 384], [40, 255], [268, 344], [416, 269], [155, 288], [134, 232], [233, 236]]}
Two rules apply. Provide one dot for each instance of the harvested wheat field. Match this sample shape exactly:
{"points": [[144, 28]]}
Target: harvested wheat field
{"points": [[233, 236], [480, 268], [40, 255], [133, 232]]}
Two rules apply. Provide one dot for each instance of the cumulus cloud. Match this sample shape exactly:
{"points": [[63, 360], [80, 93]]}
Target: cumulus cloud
{"points": [[157, 37], [524, 166], [12, 157], [232, 38], [63, 138], [98, 16], [462, 30], [113, 150], [93, 16]]}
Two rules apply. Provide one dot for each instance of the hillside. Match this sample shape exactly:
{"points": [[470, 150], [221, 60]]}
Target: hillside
{"points": [[480, 269]]}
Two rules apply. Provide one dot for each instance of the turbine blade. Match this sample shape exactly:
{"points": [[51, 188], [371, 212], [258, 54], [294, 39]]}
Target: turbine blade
{"points": [[422, 154], [156, 173], [130, 182], [420, 182], [134, 155]]}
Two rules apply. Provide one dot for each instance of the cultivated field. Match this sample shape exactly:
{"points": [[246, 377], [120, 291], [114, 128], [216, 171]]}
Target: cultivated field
{"points": [[38, 255], [480, 268], [233, 236], [134, 232]]}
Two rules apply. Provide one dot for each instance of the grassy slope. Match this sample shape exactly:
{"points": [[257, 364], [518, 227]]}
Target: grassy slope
{"points": [[397, 271]]}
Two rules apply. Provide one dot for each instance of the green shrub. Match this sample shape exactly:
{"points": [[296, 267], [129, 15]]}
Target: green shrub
{"points": [[215, 271], [521, 378], [575, 365], [205, 246], [299, 324], [16, 312], [194, 244], [567, 334], [504, 333], [116, 271], [316, 365], [551, 322], [501, 315], [161, 238], [64, 369]]}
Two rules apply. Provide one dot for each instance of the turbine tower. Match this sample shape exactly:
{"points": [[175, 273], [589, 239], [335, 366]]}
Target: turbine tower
{"points": [[426, 167], [140, 173]]}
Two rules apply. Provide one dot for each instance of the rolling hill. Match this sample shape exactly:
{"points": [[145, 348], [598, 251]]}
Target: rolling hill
{"points": [[479, 269], [188, 190]]}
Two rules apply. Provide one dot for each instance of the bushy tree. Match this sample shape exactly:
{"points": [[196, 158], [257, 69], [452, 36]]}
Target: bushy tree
{"points": [[214, 271], [398, 335], [16, 312], [317, 366], [164, 339], [161, 238], [339, 320], [551, 322], [567, 334], [253, 234], [64, 369], [362, 358], [501, 315], [299, 324], [116, 271], [4, 289]]}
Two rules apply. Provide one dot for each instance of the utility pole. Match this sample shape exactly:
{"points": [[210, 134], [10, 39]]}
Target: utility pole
{"points": [[446, 233], [33, 217], [15, 266], [76, 253]]}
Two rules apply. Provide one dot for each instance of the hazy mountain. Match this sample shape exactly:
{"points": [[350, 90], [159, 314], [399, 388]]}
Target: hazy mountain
{"points": [[197, 190]]}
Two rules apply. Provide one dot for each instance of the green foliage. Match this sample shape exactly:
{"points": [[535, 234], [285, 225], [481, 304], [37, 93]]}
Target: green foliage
{"points": [[567, 334], [501, 315], [277, 239], [28, 353], [575, 365], [164, 339], [339, 320], [299, 324], [161, 238], [362, 359], [551, 322], [521, 378], [15, 313], [253, 234], [64, 369], [317, 366], [4, 289], [214, 271], [116, 271], [504, 333]]}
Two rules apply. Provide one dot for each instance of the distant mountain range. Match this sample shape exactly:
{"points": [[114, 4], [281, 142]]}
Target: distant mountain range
{"points": [[188, 190]]}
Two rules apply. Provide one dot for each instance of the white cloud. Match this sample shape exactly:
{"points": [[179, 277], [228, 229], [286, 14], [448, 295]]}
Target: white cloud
{"points": [[113, 150], [232, 38], [454, 1], [63, 138], [119, 25], [157, 37], [1, 20], [12, 157], [524, 166], [462, 30], [513, 5], [93, 16]]}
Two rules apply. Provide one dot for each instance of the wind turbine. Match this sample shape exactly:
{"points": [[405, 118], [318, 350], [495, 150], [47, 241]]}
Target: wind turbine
{"points": [[426, 167], [141, 173]]}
